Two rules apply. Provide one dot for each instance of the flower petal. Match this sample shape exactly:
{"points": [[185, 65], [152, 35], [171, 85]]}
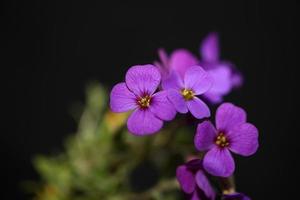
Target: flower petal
{"points": [[243, 139], [161, 68], [172, 81], [121, 99], [197, 79], [195, 196], [228, 116], [143, 79], [237, 80], [210, 48], [181, 60], [219, 162], [186, 179], [162, 64], [162, 107], [178, 101], [163, 56], [204, 184], [222, 82], [213, 98], [198, 108], [143, 122], [205, 136]]}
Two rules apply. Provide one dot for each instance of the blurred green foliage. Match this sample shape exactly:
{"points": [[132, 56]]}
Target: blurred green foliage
{"points": [[103, 161]]}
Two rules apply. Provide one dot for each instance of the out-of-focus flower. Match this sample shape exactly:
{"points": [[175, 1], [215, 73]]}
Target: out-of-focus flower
{"points": [[232, 133], [194, 182], [179, 61], [138, 93], [183, 93], [235, 196], [225, 75], [210, 58]]}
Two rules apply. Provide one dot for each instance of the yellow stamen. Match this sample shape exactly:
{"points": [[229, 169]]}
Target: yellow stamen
{"points": [[144, 102], [221, 140], [187, 94]]}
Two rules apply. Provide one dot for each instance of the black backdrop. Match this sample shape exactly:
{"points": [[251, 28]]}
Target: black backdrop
{"points": [[55, 47]]}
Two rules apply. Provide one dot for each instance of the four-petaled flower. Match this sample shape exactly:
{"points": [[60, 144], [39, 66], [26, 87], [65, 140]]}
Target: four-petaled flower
{"points": [[224, 73], [193, 181], [183, 94], [210, 59], [232, 133], [138, 93], [182, 80]]}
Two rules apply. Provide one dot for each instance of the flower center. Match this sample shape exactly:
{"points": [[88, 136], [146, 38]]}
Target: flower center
{"points": [[187, 94], [144, 102], [221, 140]]}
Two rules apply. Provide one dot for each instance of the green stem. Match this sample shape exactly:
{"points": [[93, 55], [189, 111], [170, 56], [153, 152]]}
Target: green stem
{"points": [[227, 185]]}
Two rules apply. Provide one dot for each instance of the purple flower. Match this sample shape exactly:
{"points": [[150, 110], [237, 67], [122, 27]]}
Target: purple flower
{"points": [[232, 133], [163, 64], [138, 93], [179, 61], [210, 54], [183, 94], [194, 182], [225, 75], [235, 196]]}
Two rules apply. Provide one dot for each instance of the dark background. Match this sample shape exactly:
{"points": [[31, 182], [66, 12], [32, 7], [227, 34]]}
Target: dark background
{"points": [[55, 48]]}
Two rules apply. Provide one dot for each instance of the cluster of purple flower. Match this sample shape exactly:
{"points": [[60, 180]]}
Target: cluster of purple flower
{"points": [[195, 184], [155, 93]]}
